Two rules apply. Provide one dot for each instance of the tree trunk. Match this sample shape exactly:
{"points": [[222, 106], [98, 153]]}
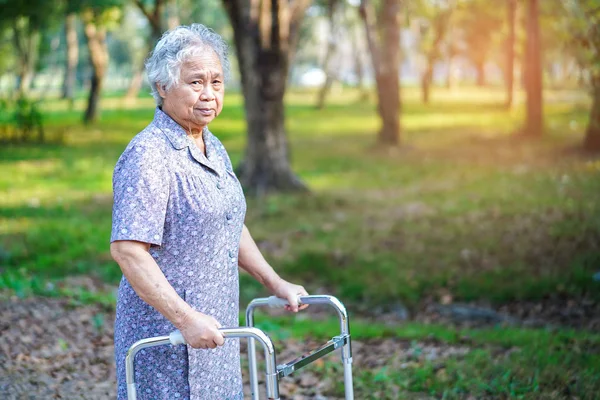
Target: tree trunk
{"points": [[389, 97], [72, 57], [450, 80], [155, 20], [533, 69], [452, 53], [592, 134], [135, 85], [386, 64], [510, 53], [26, 40], [426, 83], [93, 107], [480, 66], [265, 38], [25, 79], [440, 26], [96, 40], [358, 65], [330, 52]]}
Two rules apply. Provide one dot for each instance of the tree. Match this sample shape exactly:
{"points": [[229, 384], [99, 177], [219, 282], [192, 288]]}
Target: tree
{"points": [[452, 50], [533, 72], [357, 47], [332, 11], [384, 47], [95, 34], [265, 34], [72, 56], [26, 19], [98, 16], [480, 22], [434, 23], [7, 53], [158, 19], [592, 135], [511, 15], [584, 26], [26, 36], [207, 12]]}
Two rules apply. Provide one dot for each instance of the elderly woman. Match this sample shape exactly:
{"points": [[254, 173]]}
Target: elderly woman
{"points": [[178, 231]]}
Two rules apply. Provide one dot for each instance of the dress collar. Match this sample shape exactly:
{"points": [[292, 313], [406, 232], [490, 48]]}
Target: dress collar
{"points": [[180, 140]]}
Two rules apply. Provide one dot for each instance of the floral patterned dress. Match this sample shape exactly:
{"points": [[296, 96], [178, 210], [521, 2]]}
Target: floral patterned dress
{"points": [[190, 208]]}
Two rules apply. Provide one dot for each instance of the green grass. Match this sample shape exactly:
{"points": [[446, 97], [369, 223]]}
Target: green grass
{"points": [[499, 362], [463, 207]]}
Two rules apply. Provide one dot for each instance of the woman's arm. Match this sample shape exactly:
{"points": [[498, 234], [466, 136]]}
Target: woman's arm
{"points": [[251, 259], [148, 281]]}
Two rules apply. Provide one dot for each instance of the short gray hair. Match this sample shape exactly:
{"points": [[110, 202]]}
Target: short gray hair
{"points": [[175, 47]]}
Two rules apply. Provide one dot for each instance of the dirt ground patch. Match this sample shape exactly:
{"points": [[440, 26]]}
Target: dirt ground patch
{"points": [[52, 349]]}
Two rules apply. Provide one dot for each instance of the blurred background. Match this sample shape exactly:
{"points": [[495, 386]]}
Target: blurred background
{"points": [[440, 175]]}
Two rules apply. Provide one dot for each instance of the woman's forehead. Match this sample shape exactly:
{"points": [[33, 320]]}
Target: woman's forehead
{"points": [[202, 62]]}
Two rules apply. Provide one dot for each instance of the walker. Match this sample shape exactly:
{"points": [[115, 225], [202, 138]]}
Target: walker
{"points": [[273, 371]]}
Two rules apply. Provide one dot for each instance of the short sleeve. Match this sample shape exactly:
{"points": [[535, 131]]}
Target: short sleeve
{"points": [[141, 194]]}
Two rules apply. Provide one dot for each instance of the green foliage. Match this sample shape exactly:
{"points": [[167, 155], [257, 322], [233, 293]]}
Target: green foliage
{"points": [[39, 13], [582, 21], [209, 13], [481, 23], [103, 13], [22, 122], [7, 55]]}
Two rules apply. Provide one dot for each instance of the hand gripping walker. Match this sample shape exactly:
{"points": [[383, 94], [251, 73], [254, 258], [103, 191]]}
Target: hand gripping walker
{"points": [[273, 372]]}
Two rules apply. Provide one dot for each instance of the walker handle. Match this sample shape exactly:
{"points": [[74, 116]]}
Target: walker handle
{"points": [[276, 302], [176, 338]]}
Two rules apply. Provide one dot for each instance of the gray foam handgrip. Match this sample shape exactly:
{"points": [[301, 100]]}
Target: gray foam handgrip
{"points": [[276, 302], [176, 338]]}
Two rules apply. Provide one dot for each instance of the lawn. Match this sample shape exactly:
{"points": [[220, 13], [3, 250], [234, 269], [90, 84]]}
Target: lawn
{"points": [[464, 210]]}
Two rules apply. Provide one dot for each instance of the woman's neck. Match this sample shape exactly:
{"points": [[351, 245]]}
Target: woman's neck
{"points": [[195, 133]]}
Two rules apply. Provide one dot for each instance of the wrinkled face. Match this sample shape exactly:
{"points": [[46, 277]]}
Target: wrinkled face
{"points": [[198, 98]]}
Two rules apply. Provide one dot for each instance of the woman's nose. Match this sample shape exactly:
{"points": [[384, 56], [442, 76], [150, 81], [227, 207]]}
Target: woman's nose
{"points": [[207, 94]]}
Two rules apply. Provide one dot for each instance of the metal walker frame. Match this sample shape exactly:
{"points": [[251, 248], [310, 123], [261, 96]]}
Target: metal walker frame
{"points": [[273, 371]]}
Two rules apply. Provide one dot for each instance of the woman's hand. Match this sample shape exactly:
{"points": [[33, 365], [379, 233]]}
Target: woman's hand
{"points": [[201, 331], [290, 292]]}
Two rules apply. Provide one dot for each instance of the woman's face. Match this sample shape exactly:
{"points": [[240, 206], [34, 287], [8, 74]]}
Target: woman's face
{"points": [[198, 98]]}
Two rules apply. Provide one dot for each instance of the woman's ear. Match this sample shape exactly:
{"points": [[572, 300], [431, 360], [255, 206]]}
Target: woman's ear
{"points": [[162, 89]]}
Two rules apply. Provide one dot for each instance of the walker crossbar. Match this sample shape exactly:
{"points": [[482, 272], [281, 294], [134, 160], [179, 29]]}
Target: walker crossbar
{"points": [[296, 364], [343, 341]]}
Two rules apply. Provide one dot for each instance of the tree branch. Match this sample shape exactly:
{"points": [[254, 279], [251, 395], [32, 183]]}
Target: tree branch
{"points": [[17, 38], [366, 13], [297, 11], [143, 9]]}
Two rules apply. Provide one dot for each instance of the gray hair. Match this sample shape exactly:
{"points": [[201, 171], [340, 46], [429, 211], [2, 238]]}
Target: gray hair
{"points": [[174, 48]]}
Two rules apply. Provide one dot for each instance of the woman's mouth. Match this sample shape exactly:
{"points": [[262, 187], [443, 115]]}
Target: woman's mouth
{"points": [[205, 111]]}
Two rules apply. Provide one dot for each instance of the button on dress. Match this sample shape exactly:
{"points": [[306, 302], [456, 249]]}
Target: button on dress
{"points": [[190, 208]]}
